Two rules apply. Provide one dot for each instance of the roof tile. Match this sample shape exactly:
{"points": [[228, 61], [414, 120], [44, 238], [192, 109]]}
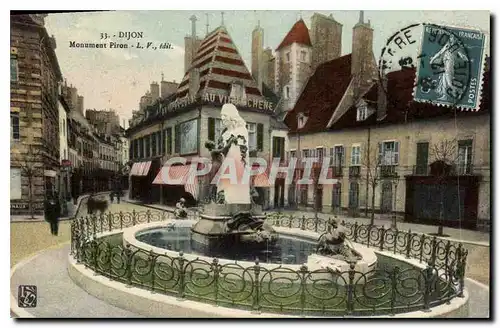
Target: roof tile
{"points": [[297, 34]]}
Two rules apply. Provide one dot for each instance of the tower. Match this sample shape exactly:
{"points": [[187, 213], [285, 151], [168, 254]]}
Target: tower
{"points": [[326, 39], [257, 52], [292, 64]]}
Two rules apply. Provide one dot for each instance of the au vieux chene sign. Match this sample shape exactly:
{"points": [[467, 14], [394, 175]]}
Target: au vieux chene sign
{"points": [[219, 99]]}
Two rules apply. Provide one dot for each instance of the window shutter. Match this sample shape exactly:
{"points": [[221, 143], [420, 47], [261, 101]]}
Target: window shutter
{"points": [[177, 132], [381, 153], [282, 146], [342, 156], [163, 141], [353, 155], [260, 136], [396, 153], [211, 128]]}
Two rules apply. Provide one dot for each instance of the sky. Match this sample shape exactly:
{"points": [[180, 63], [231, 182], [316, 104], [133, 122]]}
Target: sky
{"points": [[117, 78]]}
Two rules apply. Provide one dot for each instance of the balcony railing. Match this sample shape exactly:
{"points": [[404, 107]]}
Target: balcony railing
{"points": [[457, 169], [388, 171], [354, 171], [337, 171]]}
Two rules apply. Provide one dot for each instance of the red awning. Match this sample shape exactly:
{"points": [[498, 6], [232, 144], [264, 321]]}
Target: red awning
{"points": [[135, 169], [178, 172], [145, 168]]}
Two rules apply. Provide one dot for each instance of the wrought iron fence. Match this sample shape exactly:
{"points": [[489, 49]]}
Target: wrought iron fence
{"points": [[388, 289]]}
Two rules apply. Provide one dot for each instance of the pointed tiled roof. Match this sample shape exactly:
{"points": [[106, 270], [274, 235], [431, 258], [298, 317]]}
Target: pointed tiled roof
{"points": [[298, 34], [219, 64], [322, 94]]}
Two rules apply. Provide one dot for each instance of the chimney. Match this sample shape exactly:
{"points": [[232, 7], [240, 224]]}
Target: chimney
{"points": [[194, 82], [155, 91], [257, 52], [382, 98], [362, 50]]}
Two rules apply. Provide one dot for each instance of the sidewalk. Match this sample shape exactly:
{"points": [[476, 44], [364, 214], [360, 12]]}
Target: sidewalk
{"points": [[482, 238], [72, 208]]}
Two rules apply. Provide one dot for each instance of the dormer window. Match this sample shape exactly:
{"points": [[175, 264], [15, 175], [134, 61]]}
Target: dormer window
{"points": [[301, 120], [362, 111]]}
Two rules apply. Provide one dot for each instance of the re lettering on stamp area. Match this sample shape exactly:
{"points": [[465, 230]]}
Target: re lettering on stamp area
{"points": [[449, 63], [451, 67]]}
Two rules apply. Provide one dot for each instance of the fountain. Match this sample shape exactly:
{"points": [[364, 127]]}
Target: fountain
{"points": [[232, 227], [232, 218]]}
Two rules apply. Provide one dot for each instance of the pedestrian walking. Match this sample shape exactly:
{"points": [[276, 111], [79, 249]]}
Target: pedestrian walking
{"points": [[52, 211]]}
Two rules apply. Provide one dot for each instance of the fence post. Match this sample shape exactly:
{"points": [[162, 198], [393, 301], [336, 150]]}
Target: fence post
{"points": [[94, 224], [94, 249], [355, 233], [134, 218], [121, 218], [256, 287], [128, 256], [461, 273], [182, 273], [216, 267], [110, 222], [290, 218], [110, 264], [396, 241], [433, 251], [394, 288], [152, 260], [382, 237], [428, 288], [148, 216], [101, 219], [446, 255], [409, 240], [303, 225], [303, 272], [316, 225], [350, 288], [422, 240]]}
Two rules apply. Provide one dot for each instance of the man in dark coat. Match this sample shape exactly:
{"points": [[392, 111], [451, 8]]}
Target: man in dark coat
{"points": [[52, 210]]}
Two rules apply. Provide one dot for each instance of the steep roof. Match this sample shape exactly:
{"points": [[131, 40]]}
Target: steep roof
{"points": [[322, 94], [330, 81], [219, 64], [298, 34], [400, 105]]}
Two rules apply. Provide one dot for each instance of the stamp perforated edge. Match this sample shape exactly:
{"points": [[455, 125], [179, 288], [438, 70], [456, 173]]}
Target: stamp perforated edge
{"points": [[480, 77]]}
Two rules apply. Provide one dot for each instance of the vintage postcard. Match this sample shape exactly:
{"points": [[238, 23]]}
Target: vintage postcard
{"points": [[250, 164]]}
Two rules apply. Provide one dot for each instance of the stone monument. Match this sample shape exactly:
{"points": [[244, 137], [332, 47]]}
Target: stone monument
{"points": [[232, 218]]}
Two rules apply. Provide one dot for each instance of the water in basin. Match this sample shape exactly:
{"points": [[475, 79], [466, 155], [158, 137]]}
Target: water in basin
{"points": [[286, 250]]}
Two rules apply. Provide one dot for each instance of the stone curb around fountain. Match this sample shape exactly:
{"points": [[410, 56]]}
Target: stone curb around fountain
{"points": [[94, 284]]}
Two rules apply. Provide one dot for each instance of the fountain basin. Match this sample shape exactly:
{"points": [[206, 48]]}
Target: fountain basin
{"points": [[321, 268]]}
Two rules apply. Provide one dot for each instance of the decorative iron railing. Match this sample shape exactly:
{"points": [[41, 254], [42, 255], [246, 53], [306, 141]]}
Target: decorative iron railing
{"points": [[386, 290]]}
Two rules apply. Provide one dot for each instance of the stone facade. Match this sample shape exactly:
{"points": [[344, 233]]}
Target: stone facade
{"points": [[408, 135], [35, 76]]}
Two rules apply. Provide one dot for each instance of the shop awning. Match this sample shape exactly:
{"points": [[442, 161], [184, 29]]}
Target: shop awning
{"points": [[145, 168], [135, 168], [180, 173]]}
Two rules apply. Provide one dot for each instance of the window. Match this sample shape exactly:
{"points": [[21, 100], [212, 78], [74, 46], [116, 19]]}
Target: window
{"points": [[320, 153], [64, 128], [186, 137], [278, 147], [293, 154], [141, 147], [305, 153], [389, 153], [287, 92], [353, 195], [356, 155], [422, 157], [14, 76], [218, 129], [362, 113], [303, 56], [169, 141], [252, 136], [337, 156], [153, 144], [465, 156], [15, 183], [14, 126], [287, 57]]}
